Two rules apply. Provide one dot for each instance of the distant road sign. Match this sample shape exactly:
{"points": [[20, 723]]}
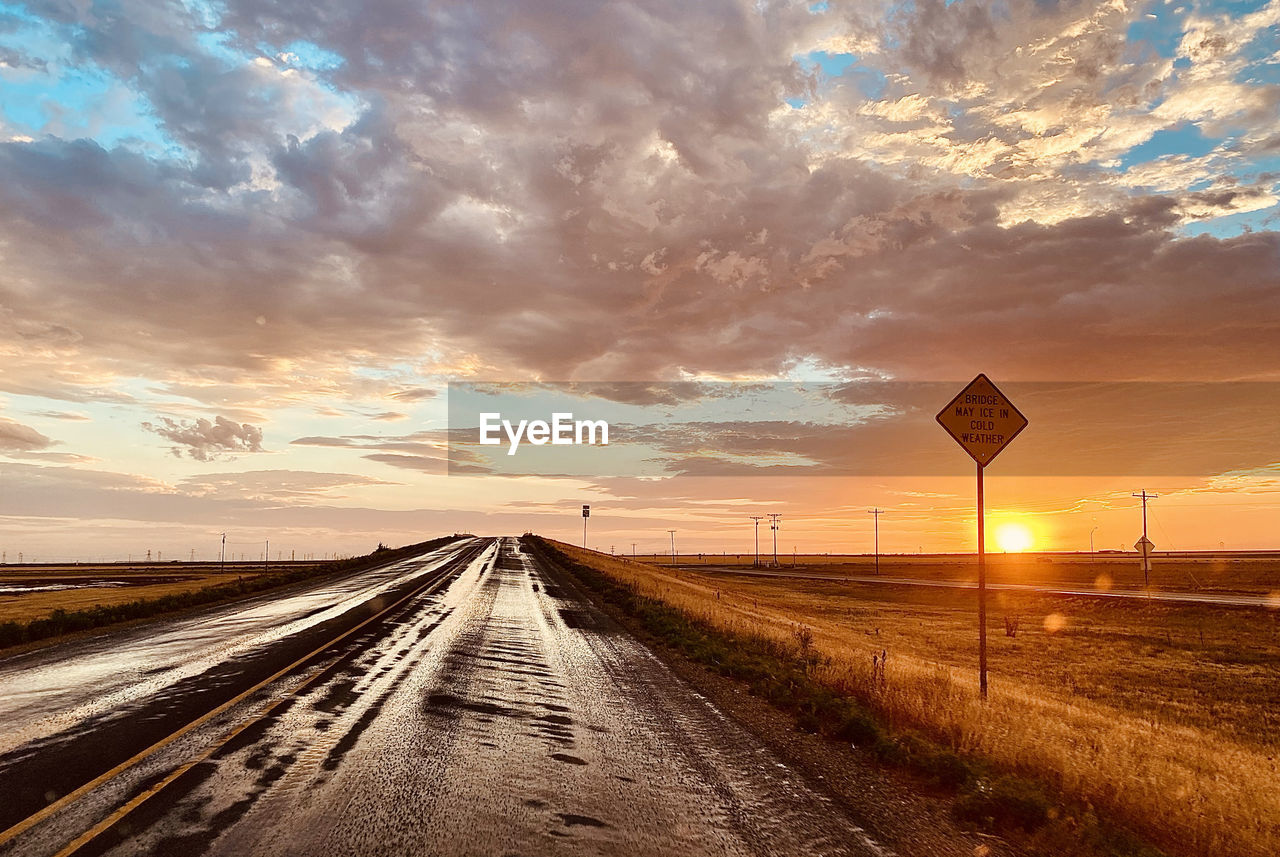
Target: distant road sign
{"points": [[982, 420], [586, 511], [1144, 546]]}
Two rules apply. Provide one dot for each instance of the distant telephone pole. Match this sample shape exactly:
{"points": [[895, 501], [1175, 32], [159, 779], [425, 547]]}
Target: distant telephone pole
{"points": [[1146, 556], [673, 546], [222, 557], [1145, 497], [756, 519], [774, 518], [877, 513]]}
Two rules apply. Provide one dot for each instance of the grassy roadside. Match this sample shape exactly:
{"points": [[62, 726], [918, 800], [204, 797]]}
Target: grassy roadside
{"points": [[62, 622], [791, 672]]}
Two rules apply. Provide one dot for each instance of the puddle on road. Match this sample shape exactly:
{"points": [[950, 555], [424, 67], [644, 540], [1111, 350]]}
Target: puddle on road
{"points": [[572, 820]]}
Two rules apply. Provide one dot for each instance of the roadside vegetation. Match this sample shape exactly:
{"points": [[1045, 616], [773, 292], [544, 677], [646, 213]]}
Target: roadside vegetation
{"points": [[1253, 575], [61, 622], [1160, 721]]}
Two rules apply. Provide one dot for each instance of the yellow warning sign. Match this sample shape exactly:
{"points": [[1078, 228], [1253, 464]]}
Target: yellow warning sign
{"points": [[982, 420]]}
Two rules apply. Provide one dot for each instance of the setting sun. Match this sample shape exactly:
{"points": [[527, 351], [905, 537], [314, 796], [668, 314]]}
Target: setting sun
{"points": [[1013, 538]]}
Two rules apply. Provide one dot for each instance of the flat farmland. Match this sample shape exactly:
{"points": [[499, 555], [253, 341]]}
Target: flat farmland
{"points": [[29, 592], [1165, 715], [1246, 573], [1217, 668]]}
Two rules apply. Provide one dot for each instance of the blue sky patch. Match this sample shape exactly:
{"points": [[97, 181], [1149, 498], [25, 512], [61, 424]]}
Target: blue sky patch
{"points": [[1231, 225], [828, 65], [311, 56], [1185, 139], [1162, 32]]}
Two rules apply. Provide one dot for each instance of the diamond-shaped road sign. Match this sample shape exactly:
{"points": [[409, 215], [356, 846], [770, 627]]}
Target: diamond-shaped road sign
{"points": [[982, 420], [1144, 546]]}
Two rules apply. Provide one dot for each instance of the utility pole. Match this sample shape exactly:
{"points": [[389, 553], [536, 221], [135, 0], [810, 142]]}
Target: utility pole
{"points": [[877, 513], [633, 550], [222, 557], [266, 556], [1091, 532], [774, 517], [1146, 556], [756, 519], [673, 547]]}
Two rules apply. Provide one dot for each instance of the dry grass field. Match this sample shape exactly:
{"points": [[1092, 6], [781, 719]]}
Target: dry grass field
{"points": [[1164, 717], [1177, 573], [23, 596]]}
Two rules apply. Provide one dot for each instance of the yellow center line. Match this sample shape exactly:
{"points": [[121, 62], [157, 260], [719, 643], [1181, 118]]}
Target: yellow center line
{"points": [[39, 816]]}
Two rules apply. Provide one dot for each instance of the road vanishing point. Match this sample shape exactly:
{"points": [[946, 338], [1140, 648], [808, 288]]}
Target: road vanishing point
{"points": [[470, 700]]}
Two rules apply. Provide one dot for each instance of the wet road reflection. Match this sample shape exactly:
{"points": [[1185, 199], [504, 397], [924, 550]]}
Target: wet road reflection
{"points": [[53, 689], [502, 714]]}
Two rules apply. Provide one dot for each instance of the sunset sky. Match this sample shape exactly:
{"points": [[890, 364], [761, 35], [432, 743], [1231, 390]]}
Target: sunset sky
{"points": [[247, 245]]}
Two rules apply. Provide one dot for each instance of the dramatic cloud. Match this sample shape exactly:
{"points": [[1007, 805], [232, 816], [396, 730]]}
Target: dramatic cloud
{"points": [[515, 188], [15, 437], [206, 441], [314, 216]]}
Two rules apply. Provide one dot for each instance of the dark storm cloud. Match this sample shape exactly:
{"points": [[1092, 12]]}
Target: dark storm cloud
{"points": [[207, 441]]}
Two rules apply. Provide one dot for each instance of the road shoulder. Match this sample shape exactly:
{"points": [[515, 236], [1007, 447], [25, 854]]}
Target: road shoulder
{"points": [[892, 806]]}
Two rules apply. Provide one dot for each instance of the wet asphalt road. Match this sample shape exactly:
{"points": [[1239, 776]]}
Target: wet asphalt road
{"points": [[51, 689], [497, 712]]}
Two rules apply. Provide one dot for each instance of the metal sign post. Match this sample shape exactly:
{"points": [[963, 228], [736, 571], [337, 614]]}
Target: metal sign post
{"points": [[983, 421], [586, 513]]}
